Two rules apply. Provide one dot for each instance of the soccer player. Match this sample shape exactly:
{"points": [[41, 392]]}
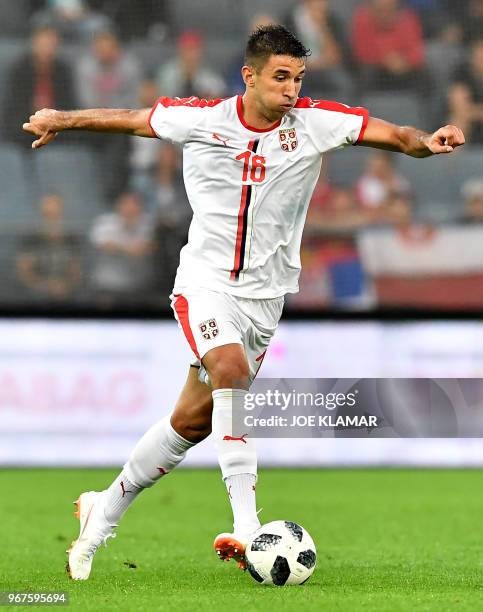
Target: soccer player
{"points": [[250, 165]]}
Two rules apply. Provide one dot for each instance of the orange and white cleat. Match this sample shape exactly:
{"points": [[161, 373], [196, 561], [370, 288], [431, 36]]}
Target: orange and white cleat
{"points": [[94, 531], [230, 546]]}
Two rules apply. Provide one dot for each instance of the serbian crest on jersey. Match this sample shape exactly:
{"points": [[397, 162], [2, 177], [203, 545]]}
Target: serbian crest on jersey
{"points": [[288, 139], [209, 329]]}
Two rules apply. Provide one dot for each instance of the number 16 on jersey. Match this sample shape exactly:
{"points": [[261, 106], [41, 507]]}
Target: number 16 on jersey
{"points": [[253, 167]]}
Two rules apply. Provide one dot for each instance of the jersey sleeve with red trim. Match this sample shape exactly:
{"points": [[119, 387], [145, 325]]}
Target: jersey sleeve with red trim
{"points": [[173, 118], [333, 125]]}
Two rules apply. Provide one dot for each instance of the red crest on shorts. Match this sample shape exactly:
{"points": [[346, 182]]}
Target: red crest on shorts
{"points": [[209, 329], [288, 139]]}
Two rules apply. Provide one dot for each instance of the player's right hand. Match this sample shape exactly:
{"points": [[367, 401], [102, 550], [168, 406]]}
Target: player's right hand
{"points": [[45, 124], [445, 140]]}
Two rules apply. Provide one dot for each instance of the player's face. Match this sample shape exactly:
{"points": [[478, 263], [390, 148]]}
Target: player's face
{"points": [[277, 85]]}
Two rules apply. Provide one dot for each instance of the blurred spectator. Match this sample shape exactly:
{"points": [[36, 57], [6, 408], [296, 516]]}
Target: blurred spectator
{"points": [[49, 265], [398, 210], [472, 193], [322, 194], [109, 77], [170, 207], [472, 21], [332, 209], [314, 282], [144, 152], [434, 16], [166, 195], [321, 31], [341, 213], [162, 189], [466, 95], [331, 271], [236, 83], [186, 75], [388, 46], [378, 184], [38, 79], [331, 274], [74, 19], [123, 243]]}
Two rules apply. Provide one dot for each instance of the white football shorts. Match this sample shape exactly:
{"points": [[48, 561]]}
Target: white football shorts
{"points": [[210, 319]]}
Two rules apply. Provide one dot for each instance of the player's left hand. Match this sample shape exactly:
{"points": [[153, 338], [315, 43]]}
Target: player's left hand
{"points": [[445, 140]]}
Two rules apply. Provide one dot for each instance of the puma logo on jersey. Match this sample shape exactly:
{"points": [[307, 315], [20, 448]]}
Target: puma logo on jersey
{"points": [[218, 137]]}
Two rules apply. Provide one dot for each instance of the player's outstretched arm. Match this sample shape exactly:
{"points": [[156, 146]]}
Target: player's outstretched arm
{"points": [[46, 123], [411, 141]]}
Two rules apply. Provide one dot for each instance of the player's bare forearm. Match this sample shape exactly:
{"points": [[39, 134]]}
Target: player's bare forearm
{"points": [[411, 141], [124, 121], [47, 123]]}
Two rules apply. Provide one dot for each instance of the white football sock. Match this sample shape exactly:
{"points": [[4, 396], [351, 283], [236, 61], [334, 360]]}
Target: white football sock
{"points": [[237, 458], [156, 454], [118, 497], [241, 491]]}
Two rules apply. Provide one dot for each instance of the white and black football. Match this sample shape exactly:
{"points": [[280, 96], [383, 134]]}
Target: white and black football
{"points": [[279, 553]]}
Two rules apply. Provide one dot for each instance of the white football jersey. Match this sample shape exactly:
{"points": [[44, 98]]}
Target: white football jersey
{"points": [[249, 188]]}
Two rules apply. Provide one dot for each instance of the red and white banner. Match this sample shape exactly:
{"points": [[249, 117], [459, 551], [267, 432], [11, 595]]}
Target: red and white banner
{"points": [[425, 267]]}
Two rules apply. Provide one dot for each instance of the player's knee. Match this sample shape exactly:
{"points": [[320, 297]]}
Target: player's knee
{"points": [[231, 374]]}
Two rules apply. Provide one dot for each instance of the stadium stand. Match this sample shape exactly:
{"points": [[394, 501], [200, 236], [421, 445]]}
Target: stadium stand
{"points": [[344, 167], [10, 50], [441, 59], [16, 192], [15, 17], [403, 108], [277, 8], [73, 173], [437, 182], [150, 53], [79, 168], [345, 9], [435, 185], [220, 18]]}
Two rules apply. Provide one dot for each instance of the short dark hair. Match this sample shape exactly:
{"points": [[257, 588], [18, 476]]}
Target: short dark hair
{"points": [[272, 40]]}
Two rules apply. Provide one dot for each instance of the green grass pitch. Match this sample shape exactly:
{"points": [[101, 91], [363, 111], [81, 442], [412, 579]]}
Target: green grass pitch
{"points": [[386, 540]]}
